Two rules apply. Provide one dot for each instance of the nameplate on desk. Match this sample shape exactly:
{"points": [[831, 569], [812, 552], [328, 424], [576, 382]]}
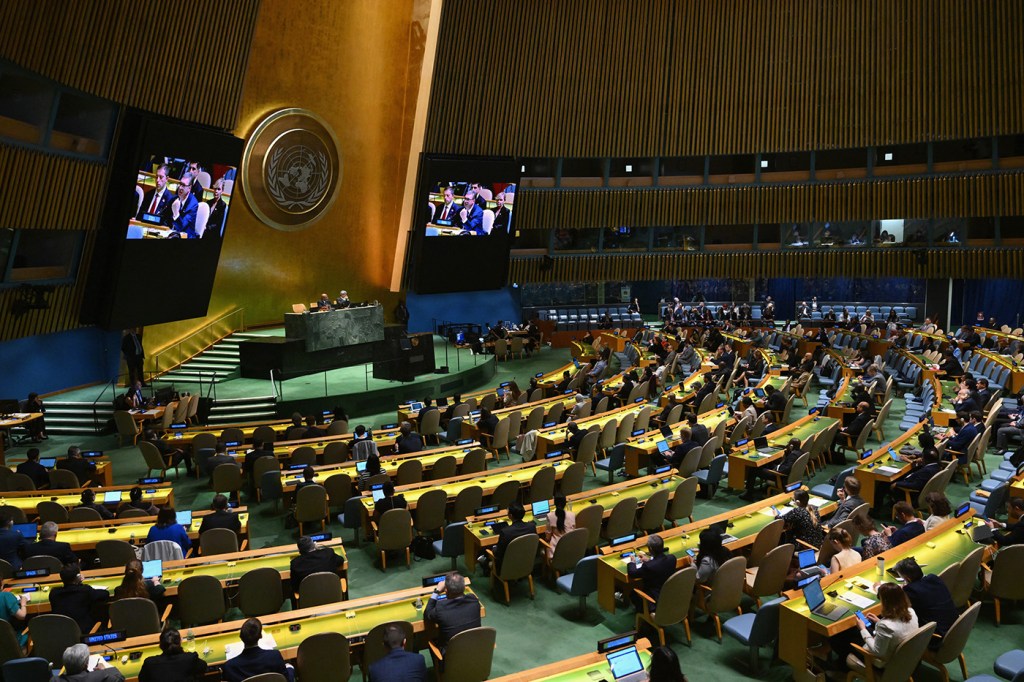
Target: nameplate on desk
{"points": [[321, 537], [105, 637], [179, 425], [464, 441], [93, 453], [552, 455], [32, 573]]}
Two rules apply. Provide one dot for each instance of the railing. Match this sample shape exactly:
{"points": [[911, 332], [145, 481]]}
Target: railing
{"points": [[188, 347]]}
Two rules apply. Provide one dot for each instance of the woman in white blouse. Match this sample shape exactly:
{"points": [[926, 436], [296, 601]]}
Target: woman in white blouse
{"points": [[939, 509], [897, 622]]}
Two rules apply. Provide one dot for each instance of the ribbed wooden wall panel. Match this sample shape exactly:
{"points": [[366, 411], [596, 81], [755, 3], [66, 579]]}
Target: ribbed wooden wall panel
{"points": [[957, 263], [46, 191], [693, 77], [968, 196], [186, 62]]}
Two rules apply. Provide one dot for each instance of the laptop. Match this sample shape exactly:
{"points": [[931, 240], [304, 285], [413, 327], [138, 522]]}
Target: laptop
{"points": [[361, 466], [541, 509], [808, 562], [663, 447], [29, 531], [982, 534], [184, 517], [377, 492], [816, 602], [112, 497], [152, 569], [626, 666], [48, 462], [442, 402], [666, 431], [415, 407]]}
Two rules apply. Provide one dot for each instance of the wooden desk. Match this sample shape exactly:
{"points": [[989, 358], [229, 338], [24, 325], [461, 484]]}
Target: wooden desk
{"points": [[86, 535], [103, 475], [469, 422], [870, 471], [746, 458], [554, 437], [935, 549], [583, 668], [182, 437], [746, 522], [163, 494], [385, 440], [479, 536], [353, 619], [148, 414], [13, 421], [1017, 487], [640, 449]]}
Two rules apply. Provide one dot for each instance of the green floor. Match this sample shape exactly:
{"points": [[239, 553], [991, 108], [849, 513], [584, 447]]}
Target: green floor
{"points": [[532, 633]]}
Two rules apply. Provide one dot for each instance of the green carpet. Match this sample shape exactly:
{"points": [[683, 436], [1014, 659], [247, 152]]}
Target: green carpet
{"points": [[532, 633]]}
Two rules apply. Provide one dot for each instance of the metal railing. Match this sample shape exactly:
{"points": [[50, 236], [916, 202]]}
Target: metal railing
{"points": [[186, 348]]}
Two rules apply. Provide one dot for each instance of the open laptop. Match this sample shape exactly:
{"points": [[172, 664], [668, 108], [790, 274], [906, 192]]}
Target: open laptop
{"points": [[817, 604], [761, 445], [663, 448], [152, 569], [112, 497], [808, 562], [377, 490], [415, 407], [184, 517], [626, 666], [541, 509], [48, 462], [29, 531], [982, 534]]}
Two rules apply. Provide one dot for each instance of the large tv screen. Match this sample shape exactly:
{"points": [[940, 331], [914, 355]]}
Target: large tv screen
{"points": [[165, 216], [463, 234]]}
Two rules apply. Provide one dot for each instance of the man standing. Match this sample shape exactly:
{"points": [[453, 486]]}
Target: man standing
{"points": [[131, 349]]}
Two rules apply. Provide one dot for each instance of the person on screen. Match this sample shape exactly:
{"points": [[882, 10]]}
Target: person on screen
{"points": [[192, 170], [502, 215], [474, 220], [157, 201], [218, 212], [342, 301], [183, 212], [448, 212]]}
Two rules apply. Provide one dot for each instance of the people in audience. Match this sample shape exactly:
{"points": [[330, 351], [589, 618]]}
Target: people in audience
{"points": [[929, 597], [221, 516], [372, 469], [308, 479], [852, 431], [559, 522], [133, 584], [172, 664], [1011, 532], [11, 541], [958, 444], [76, 667], [516, 528], [312, 559], [802, 523], [89, 502], [939, 509], [665, 666], [652, 569], [388, 502], [254, 660], [135, 501], [48, 545], [845, 555], [487, 422], [873, 542], [922, 472], [453, 613], [75, 599], [711, 554], [790, 455], [408, 440], [680, 451], [33, 469], [76, 463], [849, 499], [398, 664], [909, 525], [168, 528], [896, 623]]}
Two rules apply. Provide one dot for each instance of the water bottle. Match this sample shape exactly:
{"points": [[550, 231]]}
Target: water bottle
{"points": [[190, 641], [881, 568]]}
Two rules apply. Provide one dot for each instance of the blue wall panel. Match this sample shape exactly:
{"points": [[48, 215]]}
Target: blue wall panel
{"points": [[56, 361], [477, 307]]}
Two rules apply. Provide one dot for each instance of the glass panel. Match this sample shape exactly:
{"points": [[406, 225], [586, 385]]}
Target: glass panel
{"points": [[45, 255], [840, 163], [6, 238], [728, 237], [677, 238], [682, 171], [25, 105], [582, 172], [768, 236], [626, 239], [576, 240], [538, 173], [1011, 230], [82, 125]]}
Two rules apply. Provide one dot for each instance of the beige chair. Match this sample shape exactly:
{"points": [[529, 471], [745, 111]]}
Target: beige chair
{"points": [[394, 533], [310, 506], [154, 460], [324, 656], [967, 574], [535, 420], [902, 663], [880, 419], [608, 438], [320, 588], [267, 677], [137, 616], [19, 483], [625, 428], [587, 452], [227, 478], [652, 517], [620, 522], [261, 466], [953, 643], [114, 553], [444, 467], [43, 561], [516, 564], [128, 430], [767, 539], [260, 592], [51, 634], [51, 511], [83, 514], [336, 452], [683, 499], [591, 517], [724, 592], [169, 412], [200, 601], [555, 413], [847, 443], [569, 549], [499, 441], [672, 605], [338, 427], [505, 494], [304, 454], [232, 434], [542, 487], [430, 427], [409, 471], [430, 511], [475, 461], [467, 501], [263, 434], [63, 479], [1002, 581], [572, 479], [795, 474], [769, 576], [501, 349], [467, 658], [215, 541]]}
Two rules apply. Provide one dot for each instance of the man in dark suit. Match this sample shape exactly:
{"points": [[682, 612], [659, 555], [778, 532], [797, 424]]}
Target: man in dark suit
{"points": [[776, 402], [312, 559], [48, 545], [707, 389], [398, 664], [388, 502], [487, 422], [34, 470], [563, 385], [849, 499], [254, 660], [428, 405], [311, 429], [76, 463], [680, 451], [11, 542], [959, 443], [222, 517], [183, 220], [408, 440], [929, 597], [447, 213], [789, 457], [157, 201], [451, 609], [1011, 532], [131, 349], [218, 212], [849, 433], [575, 437], [474, 222], [653, 569], [515, 529], [76, 599], [342, 301], [699, 433], [449, 411], [89, 502], [922, 472], [192, 172], [910, 525], [502, 215]]}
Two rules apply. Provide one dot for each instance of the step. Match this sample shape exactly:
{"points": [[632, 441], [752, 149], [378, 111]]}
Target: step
{"points": [[242, 416], [220, 353], [243, 408], [247, 399], [194, 366]]}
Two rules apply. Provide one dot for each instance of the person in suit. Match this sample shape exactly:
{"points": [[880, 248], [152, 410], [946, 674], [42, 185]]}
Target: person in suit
{"points": [[157, 201], [342, 301], [680, 451], [11, 542], [135, 501], [699, 433], [134, 354], [398, 664], [454, 612], [1011, 532], [48, 545], [914, 481], [487, 422], [447, 213], [88, 501], [653, 568], [910, 525], [776, 401], [958, 444], [449, 411], [502, 215], [789, 457], [172, 664], [254, 660], [218, 212], [34, 470], [428, 405], [408, 440], [388, 502], [184, 211], [168, 452], [76, 463], [76, 667], [308, 479], [313, 559], [474, 222], [575, 438], [929, 597], [707, 389], [222, 517], [219, 457], [852, 430], [516, 528], [192, 171], [311, 428], [76, 599], [563, 385], [849, 499]]}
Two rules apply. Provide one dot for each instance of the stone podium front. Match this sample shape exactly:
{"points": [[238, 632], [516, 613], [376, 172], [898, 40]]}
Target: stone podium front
{"points": [[336, 328]]}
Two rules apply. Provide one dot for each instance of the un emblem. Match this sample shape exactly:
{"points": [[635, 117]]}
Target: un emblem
{"points": [[291, 169]]}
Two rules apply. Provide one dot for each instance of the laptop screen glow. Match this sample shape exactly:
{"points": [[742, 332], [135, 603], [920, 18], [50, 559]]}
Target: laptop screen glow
{"points": [[624, 662], [813, 594]]}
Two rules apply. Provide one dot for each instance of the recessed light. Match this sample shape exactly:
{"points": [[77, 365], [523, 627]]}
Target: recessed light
{"points": [[629, 168], [764, 163], [888, 156], [522, 169]]}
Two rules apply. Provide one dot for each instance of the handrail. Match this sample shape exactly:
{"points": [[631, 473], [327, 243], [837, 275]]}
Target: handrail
{"points": [[187, 347]]}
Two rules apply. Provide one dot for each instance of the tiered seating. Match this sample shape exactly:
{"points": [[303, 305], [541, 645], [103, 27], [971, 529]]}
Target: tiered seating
{"points": [[906, 314]]}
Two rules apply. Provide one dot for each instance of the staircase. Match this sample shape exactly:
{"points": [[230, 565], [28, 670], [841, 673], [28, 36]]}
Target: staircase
{"points": [[214, 365], [252, 408], [71, 417]]}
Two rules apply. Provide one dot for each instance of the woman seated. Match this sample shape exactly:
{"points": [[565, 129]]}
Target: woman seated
{"points": [[897, 622], [845, 555], [803, 522], [134, 585], [939, 509], [873, 542], [168, 528], [560, 522], [711, 554]]}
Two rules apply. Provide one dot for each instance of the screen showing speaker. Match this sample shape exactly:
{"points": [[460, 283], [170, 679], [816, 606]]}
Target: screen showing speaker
{"points": [[180, 198]]}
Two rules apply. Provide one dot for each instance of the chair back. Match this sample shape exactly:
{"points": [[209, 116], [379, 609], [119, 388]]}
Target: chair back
{"points": [[136, 616], [263, 434], [716, 470], [767, 538], [33, 669], [474, 461], [555, 413], [200, 600], [324, 656], [267, 677], [165, 550], [311, 504], [83, 514], [51, 634], [572, 479], [584, 577], [1006, 582], [304, 454], [620, 522], [233, 434], [227, 478], [128, 430], [625, 428], [602, 406], [904, 661], [691, 461], [652, 516], [674, 600], [799, 469], [643, 418], [608, 434], [114, 553], [771, 573], [264, 464], [394, 530], [335, 452], [707, 454], [50, 563], [430, 425], [587, 451], [430, 511], [591, 518], [505, 494], [955, 639], [338, 427], [15, 513], [966, 577], [682, 502], [727, 586], [218, 541], [444, 467], [519, 558], [468, 655], [453, 544], [570, 549], [51, 511], [410, 471], [374, 647], [208, 440], [535, 419], [62, 479], [468, 500], [515, 423], [320, 588], [260, 592], [542, 487], [270, 486], [6, 570], [9, 647], [764, 630]]}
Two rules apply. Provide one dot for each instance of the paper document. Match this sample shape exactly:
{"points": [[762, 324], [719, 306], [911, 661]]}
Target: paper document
{"points": [[266, 642], [857, 600], [889, 471]]}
